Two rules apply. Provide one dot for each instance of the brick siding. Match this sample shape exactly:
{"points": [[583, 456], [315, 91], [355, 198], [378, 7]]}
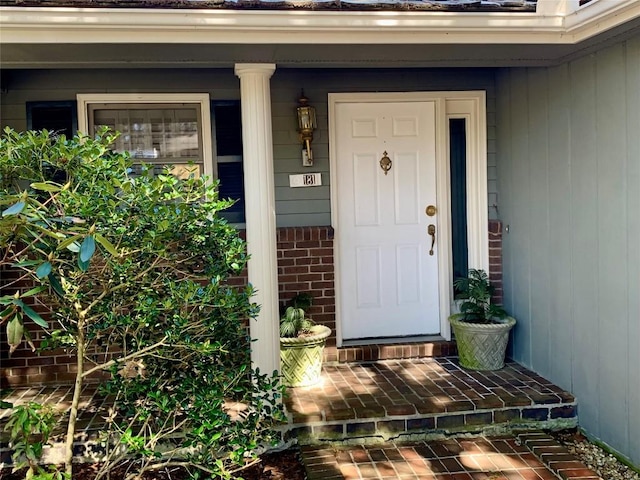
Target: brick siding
{"points": [[305, 264]]}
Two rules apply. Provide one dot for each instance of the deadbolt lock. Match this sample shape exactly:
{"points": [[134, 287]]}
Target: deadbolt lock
{"points": [[430, 210]]}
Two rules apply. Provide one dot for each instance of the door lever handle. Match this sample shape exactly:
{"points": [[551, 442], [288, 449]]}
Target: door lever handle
{"points": [[431, 230]]}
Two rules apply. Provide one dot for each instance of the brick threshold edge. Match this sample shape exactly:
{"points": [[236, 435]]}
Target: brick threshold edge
{"points": [[556, 457]]}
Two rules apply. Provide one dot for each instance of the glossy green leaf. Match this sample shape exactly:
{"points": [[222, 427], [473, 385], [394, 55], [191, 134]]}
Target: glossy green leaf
{"points": [[108, 246], [17, 301], [5, 313], [83, 266], [14, 209], [55, 284], [66, 243], [33, 291], [87, 248], [43, 270], [25, 263], [35, 316], [15, 329], [46, 186]]}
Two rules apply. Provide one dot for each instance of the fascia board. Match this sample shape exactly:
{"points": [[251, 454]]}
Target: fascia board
{"points": [[94, 25], [72, 25], [599, 16]]}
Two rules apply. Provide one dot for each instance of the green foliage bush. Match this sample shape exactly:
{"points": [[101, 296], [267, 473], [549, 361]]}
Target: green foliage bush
{"points": [[30, 426], [134, 272]]}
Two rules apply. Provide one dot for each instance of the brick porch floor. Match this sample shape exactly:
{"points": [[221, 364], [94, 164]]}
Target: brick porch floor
{"points": [[424, 398]]}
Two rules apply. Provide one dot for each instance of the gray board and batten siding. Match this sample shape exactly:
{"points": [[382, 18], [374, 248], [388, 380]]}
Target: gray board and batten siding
{"points": [[568, 144], [299, 207]]}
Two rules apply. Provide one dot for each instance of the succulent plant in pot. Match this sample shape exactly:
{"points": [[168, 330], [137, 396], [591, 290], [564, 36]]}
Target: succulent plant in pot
{"points": [[481, 328], [301, 344]]}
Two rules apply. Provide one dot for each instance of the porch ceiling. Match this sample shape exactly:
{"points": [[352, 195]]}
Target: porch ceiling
{"points": [[225, 56]]}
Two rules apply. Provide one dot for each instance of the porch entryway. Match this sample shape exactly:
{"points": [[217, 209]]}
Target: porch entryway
{"points": [[390, 167]]}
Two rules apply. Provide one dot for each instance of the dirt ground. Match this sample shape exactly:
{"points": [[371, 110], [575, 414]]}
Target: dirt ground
{"points": [[284, 465]]}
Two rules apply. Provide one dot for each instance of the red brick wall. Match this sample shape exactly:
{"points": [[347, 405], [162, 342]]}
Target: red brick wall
{"points": [[25, 366], [305, 264], [495, 259]]}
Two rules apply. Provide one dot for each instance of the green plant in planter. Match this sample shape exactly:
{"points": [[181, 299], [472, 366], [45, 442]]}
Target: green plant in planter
{"points": [[294, 322], [301, 344], [476, 292], [481, 329]]}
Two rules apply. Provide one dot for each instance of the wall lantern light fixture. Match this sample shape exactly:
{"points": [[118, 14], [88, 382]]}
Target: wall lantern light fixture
{"points": [[306, 125]]}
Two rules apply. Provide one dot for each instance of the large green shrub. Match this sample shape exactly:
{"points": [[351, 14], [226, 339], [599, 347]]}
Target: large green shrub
{"points": [[133, 270]]}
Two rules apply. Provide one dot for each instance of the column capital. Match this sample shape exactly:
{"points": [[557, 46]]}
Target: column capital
{"points": [[265, 69]]}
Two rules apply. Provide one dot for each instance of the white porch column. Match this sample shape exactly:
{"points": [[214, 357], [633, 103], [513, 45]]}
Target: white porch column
{"points": [[257, 143]]}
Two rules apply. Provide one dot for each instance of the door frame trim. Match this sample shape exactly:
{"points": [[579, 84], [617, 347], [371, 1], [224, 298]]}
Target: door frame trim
{"points": [[470, 105]]}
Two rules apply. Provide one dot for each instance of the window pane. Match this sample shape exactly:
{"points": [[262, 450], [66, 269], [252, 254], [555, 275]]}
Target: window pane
{"points": [[232, 186], [159, 134], [458, 165], [228, 129], [227, 126], [58, 117]]}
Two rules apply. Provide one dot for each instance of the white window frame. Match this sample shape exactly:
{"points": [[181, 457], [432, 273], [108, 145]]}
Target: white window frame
{"points": [[201, 99]]}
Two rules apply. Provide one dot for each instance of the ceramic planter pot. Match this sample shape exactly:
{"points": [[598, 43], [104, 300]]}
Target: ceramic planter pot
{"points": [[481, 346], [301, 357]]}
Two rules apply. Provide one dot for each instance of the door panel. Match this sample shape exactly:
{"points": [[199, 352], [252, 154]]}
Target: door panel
{"points": [[407, 189], [388, 280]]}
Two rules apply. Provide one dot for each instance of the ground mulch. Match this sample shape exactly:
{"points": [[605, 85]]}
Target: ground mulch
{"points": [[285, 465], [604, 463]]}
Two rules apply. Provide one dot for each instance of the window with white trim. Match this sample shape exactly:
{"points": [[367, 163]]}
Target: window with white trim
{"points": [[163, 130], [185, 131], [162, 135]]}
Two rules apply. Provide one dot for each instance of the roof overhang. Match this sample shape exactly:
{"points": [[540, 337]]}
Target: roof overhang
{"points": [[269, 35]]}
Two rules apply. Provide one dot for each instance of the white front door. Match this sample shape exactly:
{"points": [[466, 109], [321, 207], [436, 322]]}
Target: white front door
{"points": [[388, 269]]}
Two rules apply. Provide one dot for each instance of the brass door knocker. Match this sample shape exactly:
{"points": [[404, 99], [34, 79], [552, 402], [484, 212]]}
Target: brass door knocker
{"points": [[385, 163]]}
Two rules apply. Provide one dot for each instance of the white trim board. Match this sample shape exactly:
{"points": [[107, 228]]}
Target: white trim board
{"points": [[470, 105], [135, 25]]}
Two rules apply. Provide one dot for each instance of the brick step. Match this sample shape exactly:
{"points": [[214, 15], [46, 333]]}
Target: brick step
{"points": [[423, 398], [387, 425], [391, 351]]}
